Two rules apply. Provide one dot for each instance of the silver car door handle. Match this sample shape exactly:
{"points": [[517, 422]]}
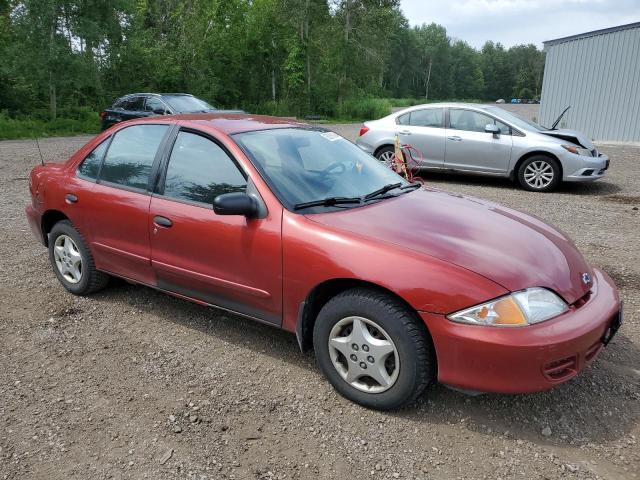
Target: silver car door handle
{"points": [[404, 132], [455, 138]]}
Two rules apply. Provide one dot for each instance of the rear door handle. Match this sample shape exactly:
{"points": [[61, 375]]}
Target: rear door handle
{"points": [[455, 138], [404, 132], [162, 221], [70, 198]]}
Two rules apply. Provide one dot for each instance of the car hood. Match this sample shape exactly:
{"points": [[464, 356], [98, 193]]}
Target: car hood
{"points": [[515, 250], [572, 136]]}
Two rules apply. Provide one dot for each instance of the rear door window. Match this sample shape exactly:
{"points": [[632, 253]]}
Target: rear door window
{"points": [[428, 117], [131, 155]]}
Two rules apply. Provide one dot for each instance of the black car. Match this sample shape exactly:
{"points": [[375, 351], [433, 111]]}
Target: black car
{"points": [[138, 105]]}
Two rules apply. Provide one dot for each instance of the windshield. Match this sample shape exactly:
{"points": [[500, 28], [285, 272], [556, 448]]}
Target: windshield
{"points": [[305, 165], [515, 119], [186, 103]]}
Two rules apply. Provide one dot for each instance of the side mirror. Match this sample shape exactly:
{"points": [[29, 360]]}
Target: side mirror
{"points": [[236, 203], [159, 111], [493, 129]]}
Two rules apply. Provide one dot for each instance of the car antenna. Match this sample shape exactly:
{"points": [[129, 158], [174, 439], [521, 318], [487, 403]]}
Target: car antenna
{"points": [[39, 151]]}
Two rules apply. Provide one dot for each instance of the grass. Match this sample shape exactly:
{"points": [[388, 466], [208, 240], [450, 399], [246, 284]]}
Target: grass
{"points": [[32, 127]]}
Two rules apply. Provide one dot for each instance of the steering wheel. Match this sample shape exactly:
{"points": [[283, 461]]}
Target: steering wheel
{"points": [[335, 168]]}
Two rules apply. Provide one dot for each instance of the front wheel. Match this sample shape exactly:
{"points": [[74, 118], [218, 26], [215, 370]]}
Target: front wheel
{"points": [[373, 349], [539, 174]]}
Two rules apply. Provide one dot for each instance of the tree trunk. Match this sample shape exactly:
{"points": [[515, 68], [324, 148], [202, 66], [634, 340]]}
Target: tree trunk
{"points": [[53, 103], [426, 92]]}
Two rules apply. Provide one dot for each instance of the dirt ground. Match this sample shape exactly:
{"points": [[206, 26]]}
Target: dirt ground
{"points": [[131, 383]]}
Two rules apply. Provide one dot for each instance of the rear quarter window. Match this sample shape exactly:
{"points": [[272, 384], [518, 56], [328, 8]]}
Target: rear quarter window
{"points": [[90, 166]]}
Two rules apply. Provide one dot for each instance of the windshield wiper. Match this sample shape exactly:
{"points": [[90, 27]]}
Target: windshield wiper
{"points": [[327, 202], [388, 188]]}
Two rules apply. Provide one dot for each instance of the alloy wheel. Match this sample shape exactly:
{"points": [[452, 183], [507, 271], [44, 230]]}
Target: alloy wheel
{"points": [[68, 259], [386, 158], [364, 354], [538, 174]]}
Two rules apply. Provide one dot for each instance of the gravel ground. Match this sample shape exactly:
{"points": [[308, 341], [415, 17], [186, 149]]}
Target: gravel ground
{"points": [[131, 383]]}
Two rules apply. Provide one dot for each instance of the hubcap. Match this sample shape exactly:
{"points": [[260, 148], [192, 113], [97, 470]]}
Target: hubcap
{"points": [[68, 258], [364, 355], [538, 174], [387, 158]]}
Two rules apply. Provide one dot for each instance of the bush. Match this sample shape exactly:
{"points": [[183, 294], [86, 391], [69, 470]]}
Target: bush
{"points": [[364, 109], [86, 121]]}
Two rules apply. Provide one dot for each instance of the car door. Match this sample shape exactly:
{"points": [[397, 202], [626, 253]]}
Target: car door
{"points": [[119, 202], [226, 260], [469, 147], [154, 105], [424, 130], [134, 108]]}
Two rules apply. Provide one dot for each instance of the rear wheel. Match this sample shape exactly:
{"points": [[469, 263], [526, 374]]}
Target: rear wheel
{"points": [[72, 260], [373, 349], [539, 174], [386, 155]]}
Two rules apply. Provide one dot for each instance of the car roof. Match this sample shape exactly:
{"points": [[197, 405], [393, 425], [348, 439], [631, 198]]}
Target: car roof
{"points": [[157, 94], [229, 123], [479, 106]]}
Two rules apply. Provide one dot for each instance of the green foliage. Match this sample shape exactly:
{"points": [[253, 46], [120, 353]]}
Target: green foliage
{"points": [[338, 58], [13, 128], [364, 108]]}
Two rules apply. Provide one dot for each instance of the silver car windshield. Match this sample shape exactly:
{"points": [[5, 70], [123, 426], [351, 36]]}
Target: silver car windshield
{"points": [[515, 119], [304, 165]]}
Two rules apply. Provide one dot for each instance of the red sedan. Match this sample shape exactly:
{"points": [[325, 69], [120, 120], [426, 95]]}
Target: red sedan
{"points": [[393, 284]]}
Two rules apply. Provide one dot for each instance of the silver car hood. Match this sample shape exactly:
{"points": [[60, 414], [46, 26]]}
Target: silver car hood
{"points": [[572, 136]]}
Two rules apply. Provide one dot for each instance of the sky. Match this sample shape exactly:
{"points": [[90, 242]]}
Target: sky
{"points": [[513, 22]]}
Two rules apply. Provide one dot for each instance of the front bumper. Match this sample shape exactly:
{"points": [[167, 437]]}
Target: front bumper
{"points": [[526, 359], [588, 168]]}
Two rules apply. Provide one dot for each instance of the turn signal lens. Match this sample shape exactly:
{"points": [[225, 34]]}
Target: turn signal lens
{"points": [[522, 308], [501, 312]]}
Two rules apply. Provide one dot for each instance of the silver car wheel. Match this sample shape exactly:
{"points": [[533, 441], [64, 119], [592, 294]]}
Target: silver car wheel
{"points": [[68, 259], [363, 354], [539, 174], [387, 158]]}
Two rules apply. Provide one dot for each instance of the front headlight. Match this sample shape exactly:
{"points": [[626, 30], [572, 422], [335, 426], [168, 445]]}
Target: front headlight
{"points": [[526, 307], [578, 150]]}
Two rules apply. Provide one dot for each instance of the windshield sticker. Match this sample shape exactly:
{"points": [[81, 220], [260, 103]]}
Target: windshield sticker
{"points": [[331, 136]]}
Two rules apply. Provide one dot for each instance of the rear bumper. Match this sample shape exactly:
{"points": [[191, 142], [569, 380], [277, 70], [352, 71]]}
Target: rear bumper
{"points": [[528, 359], [35, 223]]}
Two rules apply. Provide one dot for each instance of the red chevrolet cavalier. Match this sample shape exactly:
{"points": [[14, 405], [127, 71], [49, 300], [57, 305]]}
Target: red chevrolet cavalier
{"points": [[393, 284]]}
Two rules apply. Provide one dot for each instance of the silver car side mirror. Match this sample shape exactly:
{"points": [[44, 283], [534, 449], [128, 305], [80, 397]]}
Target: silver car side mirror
{"points": [[493, 129]]}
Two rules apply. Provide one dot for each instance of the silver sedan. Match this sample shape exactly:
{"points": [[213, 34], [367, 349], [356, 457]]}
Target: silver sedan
{"points": [[487, 140]]}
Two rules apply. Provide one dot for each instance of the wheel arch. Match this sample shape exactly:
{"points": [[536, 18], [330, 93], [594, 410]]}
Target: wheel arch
{"points": [[380, 147], [320, 295], [533, 153], [49, 219]]}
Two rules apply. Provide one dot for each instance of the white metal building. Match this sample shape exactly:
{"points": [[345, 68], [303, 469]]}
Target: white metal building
{"points": [[598, 74]]}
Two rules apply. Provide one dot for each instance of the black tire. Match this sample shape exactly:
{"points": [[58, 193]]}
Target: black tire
{"points": [[408, 333], [385, 151], [91, 279], [547, 187]]}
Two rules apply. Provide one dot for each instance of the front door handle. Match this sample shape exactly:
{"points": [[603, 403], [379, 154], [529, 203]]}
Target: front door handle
{"points": [[70, 198], [404, 132], [162, 221], [455, 138]]}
